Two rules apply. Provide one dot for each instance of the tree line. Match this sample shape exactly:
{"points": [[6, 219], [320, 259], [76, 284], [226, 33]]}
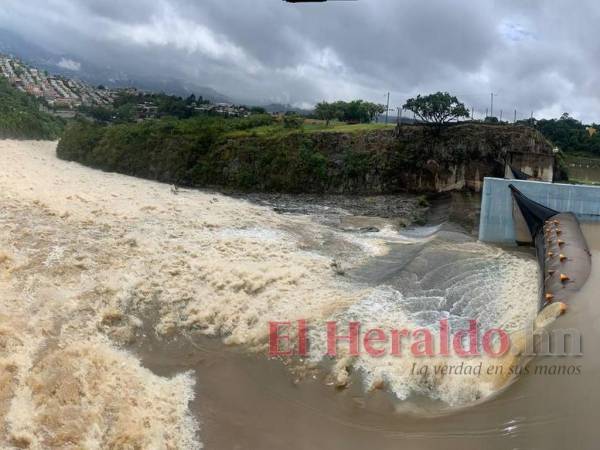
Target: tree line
{"points": [[356, 111], [21, 116], [124, 107], [569, 134]]}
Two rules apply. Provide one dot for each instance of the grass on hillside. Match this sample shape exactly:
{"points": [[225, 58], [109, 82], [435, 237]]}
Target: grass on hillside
{"points": [[309, 126]]}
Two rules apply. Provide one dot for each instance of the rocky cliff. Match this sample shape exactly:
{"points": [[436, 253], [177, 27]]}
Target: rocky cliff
{"points": [[410, 158], [203, 153]]}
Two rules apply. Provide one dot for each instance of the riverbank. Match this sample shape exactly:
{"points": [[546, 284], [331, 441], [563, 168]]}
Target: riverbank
{"points": [[255, 155]]}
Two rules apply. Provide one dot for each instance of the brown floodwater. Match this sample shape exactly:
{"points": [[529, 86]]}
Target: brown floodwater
{"points": [[246, 401], [584, 170], [80, 275]]}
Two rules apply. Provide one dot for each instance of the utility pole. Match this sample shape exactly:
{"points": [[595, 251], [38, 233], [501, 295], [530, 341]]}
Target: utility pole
{"points": [[387, 108], [399, 115], [472, 112], [500, 115], [492, 105], [486, 113], [515, 119]]}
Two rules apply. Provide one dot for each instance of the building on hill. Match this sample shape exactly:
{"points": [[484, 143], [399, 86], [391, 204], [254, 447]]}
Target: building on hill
{"points": [[58, 91]]}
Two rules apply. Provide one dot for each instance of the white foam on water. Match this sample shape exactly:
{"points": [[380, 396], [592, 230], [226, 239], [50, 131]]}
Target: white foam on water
{"points": [[198, 261], [411, 236], [494, 287], [369, 243], [255, 233], [376, 243]]}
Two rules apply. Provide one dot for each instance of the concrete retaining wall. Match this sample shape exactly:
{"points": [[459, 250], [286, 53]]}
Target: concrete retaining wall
{"points": [[496, 220]]}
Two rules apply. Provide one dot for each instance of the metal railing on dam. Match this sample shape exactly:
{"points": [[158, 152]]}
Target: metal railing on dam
{"points": [[496, 222]]}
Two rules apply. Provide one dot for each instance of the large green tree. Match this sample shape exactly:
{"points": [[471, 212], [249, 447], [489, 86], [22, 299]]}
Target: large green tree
{"points": [[437, 108], [326, 111], [570, 135], [355, 111]]}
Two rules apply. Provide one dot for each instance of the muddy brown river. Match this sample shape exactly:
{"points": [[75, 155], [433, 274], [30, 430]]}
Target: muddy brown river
{"points": [[247, 402], [136, 316]]}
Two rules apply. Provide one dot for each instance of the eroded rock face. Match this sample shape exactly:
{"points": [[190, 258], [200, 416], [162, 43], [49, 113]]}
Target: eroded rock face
{"points": [[380, 161], [410, 158]]}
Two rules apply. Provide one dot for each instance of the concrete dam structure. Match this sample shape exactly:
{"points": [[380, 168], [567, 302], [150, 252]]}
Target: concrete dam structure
{"points": [[496, 220], [562, 251], [546, 217]]}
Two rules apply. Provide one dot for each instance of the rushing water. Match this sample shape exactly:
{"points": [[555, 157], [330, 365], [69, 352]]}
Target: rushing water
{"points": [[133, 316], [540, 410]]}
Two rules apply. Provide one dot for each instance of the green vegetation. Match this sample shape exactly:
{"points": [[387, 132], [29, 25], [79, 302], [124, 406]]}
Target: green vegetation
{"points": [[283, 154], [575, 141], [571, 136], [21, 118], [277, 130], [124, 108], [258, 152], [165, 149], [292, 121], [288, 153], [437, 108], [356, 111], [422, 201]]}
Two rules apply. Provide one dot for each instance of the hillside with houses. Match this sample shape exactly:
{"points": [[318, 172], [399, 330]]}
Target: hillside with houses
{"points": [[65, 97]]}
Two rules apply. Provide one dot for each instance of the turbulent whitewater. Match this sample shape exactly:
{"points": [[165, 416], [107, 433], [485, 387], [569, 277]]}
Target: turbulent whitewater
{"points": [[90, 262]]}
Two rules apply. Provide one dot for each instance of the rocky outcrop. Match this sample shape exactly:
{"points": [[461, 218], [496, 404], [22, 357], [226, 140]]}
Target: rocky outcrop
{"points": [[381, 161], [410, 158]]}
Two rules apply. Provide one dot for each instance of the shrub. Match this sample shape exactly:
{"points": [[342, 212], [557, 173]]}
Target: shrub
{"points": [[21, 117], [292, 121]]}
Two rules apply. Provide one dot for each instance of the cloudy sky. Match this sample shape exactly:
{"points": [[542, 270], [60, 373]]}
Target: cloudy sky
{"points": [[540, 56]]}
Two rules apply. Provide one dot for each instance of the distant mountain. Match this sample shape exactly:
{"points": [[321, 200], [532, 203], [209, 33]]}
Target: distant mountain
{"points": [[73, 67], [174, 86]]}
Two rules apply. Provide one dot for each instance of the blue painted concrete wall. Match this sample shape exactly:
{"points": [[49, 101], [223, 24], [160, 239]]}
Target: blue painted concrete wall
{"points": [[496, 221]]}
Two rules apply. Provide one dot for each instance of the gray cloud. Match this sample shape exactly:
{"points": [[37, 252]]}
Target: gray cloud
{"points": [[536, 56]]}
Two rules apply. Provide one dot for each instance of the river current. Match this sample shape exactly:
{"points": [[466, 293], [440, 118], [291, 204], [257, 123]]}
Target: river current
{"points": [[134, 315]]}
